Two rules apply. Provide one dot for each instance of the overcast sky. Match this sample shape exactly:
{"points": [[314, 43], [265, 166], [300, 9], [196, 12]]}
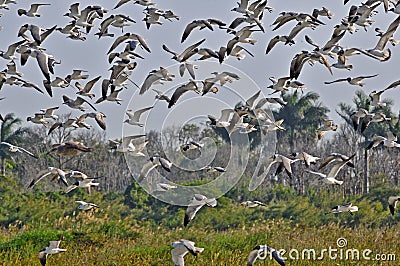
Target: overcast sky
{"points": [[90, 55]]}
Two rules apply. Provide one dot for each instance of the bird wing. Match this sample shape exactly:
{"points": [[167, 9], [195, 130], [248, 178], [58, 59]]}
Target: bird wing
{"points": [[336, 168], [54, 244], [138, 113], [80, 100], [70, 188], [117, 41], [189, 29], [90, 84], [39, 177], [188, 50], [177, 94], [250, 101], [28, 152], [334, 81], [191, 213], [150, 79], [147, 167]]}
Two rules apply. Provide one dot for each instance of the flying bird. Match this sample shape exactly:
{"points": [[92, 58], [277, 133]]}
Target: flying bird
{"points": [[196, 203], [53, 248], [14, 149], [181, 248], [353, 81], [85, 206]]}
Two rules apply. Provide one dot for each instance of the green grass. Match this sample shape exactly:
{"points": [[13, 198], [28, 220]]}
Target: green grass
{"points": [[132, 228]]}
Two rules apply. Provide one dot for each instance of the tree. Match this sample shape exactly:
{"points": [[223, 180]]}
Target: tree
{"points": [[302, 115], [9, 133]]}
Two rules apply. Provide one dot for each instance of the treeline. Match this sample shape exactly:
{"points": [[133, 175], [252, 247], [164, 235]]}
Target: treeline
{"points": [[302, 115]]}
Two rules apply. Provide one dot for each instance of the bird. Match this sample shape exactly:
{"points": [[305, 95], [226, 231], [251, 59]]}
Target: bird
{"points": [[348, 207], [32, 12], [181, 248], [279, 38], [195, 205], [223, 121], [85, 90], [284, 164], [123, 144], [214, 169], [134, 116], [156, 77], [38, 118], [189, 86], [261, 251], [335, 157], [192, 145], [86, 182], [162, 187], [307, 158], [252, 203], [330, 178], [86, 206], [392, 203], [12, 69], [184, 56], [77, 103], [54, 173], [14, 149], [389, 141], [69, 148], [165, 164], [202, 24], [53, 248], [328, 126], [9, 54], [357, 81]]}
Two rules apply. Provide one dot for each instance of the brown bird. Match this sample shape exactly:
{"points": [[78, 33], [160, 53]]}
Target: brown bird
{"points": [[69, 148]]}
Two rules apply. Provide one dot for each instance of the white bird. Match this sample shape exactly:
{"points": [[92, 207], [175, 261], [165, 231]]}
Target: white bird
{"points": [[389, 141], [327, 126], [14, 149], [330, 178], [357, 81], [189, 86], [261, 251], [184, 56], [134, 117], [32, 12], [9, 54], [84, 183], [53, 248], [181, 248], [195, 205], [52, 172], [348, 207], [156, 77], [162, 187], [77, 103], [49, 112], [85, 206], [12, 69], [284, 164], [38, 118], [392, 203], [252, 203]]}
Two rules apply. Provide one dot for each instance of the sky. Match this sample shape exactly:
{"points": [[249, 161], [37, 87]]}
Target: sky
{"points": [[254, 71]]}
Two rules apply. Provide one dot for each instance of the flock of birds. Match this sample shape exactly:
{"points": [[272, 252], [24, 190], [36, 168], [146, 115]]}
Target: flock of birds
{"points": [[243, 118]]}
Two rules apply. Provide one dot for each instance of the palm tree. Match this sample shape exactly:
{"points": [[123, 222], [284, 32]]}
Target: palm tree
{"points": [[302, 115], [9, 134], [362, 100]]}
